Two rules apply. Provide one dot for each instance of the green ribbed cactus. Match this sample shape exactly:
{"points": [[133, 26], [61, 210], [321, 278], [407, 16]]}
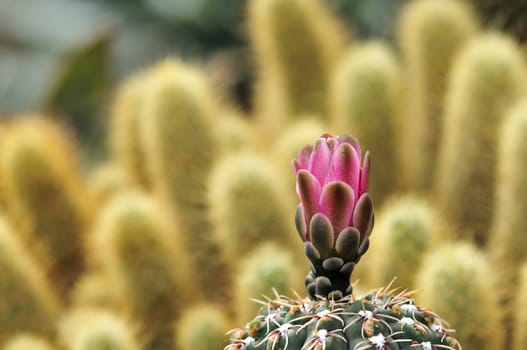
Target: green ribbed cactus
{"points": [[366, 100], [92, 329], [296, 44], [141, 253], [27, 341], [431, 33], [125, 138], [268, 267], [489, 76], [46, 195], [455, 281], [202, 327], [520, 311], [181, 149], [245, 195], [406, 228], [27, 303]]}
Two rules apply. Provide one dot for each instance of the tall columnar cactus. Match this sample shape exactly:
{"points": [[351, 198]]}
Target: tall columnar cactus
{"points": [[25, 341], [27, 302], [46, 195], [202, 327], [296, 44], [520, 311], [335, 219], [366, 99], [489, 76], [107, 180], [245, 194], [432, 33], [92, 329], [455, 281], [125, 130], [406, 229], [181, 149], [141, 253]]}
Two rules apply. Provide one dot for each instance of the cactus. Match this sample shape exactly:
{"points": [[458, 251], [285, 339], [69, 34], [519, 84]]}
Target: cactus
{"points": [[489, 76], [520, 311], [234, 132], [46, 196], [27, 302], [105, 181], [455, 281], [125, 138], [366, 96], [432, 33], [202, 327], [141, 253], [296, 44], [268, 267], [92, 329], [181, 148], [406, 229], [246, 205], [27, 342]]}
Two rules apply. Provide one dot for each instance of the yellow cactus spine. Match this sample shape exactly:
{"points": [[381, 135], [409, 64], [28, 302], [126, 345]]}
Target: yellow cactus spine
{"points": [[141, 253], [246, 205], [488, 77], [125, 137], [181, 149], [26, 300], [366, 96], [520, 312], [296, 44], [432, 34], [27, 341], [46, 195], [202, 327], [455, 281]]}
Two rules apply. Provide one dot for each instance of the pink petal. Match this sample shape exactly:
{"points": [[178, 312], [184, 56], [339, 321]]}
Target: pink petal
{"points": [[319, 161], [303, 157], [352, 141], [346, 166], [365, 174], [308, 190], [336, 202]]}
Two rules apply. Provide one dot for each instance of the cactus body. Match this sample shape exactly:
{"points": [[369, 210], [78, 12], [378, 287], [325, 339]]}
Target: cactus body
{"points": [[488, 77], [27, 342], [46, 196], [455, 281], [139, 250], [26, 300], [202, 327], [378, 320], [106, 181], [520, 313], [366, 96], [432, 33], [181, 149], [296, 44]]}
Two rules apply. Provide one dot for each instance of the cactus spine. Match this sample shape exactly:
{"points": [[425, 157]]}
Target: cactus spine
{"points": [[142, 254], [46, 196], [432, 34], [26, 300], [489, 76], [296, 44], [202, 327], [455, 281], [366, 96]]}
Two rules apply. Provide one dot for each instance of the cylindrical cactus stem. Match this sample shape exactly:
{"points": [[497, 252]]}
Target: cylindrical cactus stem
{"points": [[26, 341], [141, 253], [125, 138], [202, 327], [245, 195], [366, 99], [455, 281], [27, 302], [267, 269], [406, 228], [488, 77], [181, 150], [46, 195], [105, 181], [519, 312], [431, 34], [93, 329], [296, 44]]}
